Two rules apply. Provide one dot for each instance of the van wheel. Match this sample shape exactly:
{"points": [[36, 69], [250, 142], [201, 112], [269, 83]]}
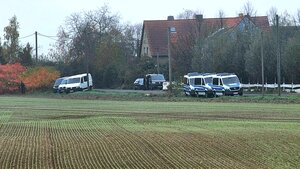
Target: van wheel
{"points": [[192, 93]]}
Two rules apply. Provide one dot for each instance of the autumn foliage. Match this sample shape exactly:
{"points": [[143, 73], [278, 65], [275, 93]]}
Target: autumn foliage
{"points": [[11, 75], [39, 78]]}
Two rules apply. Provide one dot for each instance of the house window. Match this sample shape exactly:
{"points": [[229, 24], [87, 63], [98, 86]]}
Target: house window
{"points": [[146, 49]]}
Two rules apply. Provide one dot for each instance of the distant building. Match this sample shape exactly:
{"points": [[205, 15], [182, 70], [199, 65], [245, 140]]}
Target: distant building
{"points": [[187, 31]]}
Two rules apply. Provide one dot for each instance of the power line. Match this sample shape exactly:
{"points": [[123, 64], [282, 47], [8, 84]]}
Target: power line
{"points": [[55, 38], [27, 36], [50, 37]]}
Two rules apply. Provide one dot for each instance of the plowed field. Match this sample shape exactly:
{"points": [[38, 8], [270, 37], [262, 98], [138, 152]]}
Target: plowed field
{"points": [[40, 133]]}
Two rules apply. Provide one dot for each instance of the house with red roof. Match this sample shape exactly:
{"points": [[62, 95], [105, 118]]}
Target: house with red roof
{"points": [[156, 34]]}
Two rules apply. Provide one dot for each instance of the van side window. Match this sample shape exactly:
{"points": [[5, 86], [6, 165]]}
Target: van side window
{"points": [[81, 80], [215, 81], [85, 78], [198, 81]]}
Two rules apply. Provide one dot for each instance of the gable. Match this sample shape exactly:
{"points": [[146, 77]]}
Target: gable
{"points": [[246, 25]]}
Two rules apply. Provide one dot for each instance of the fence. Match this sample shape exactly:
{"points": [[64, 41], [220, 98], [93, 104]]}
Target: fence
{"points": [[284, 87]]}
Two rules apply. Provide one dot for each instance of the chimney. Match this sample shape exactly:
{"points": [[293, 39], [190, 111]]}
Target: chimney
{"points": [[170, 18], [199, 17], [241, 15]]}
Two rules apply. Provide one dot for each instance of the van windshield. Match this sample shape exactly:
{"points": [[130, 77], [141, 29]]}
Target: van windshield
{"points": [[65, 81], [58, 81], [230, 80], [208, 80], [74, 80]]}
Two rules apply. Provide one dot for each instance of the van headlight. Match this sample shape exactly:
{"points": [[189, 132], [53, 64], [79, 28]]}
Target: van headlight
{"points": [[226, 88]]}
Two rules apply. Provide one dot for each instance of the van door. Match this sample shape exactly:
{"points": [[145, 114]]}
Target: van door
{"points": [[83, 84]]}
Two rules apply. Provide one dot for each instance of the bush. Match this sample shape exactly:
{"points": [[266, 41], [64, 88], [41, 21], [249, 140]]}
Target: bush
{"points": [[40, 78], [10, 77]]}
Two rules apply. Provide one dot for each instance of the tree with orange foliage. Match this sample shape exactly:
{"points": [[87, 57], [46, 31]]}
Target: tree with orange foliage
{"points": [[40, 78], [10, 77]]}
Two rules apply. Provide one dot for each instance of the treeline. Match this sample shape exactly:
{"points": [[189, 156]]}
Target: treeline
{"points": [[97, 42]]}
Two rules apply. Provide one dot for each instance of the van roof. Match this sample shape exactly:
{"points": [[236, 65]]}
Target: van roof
{"points": [[79, 75], [193, 74], [153, 74], [225, 74]]}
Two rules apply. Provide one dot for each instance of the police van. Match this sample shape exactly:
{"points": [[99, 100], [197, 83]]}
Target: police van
{"points": [[230, 82], [200, 84]]}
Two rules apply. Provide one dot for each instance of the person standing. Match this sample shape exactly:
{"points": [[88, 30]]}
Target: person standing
{"points": [[22, 87]]}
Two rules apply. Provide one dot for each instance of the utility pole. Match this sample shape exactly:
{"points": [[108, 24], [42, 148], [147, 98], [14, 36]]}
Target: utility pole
{"points": [[278, 56], [170, 68], [157, 62], [262, 64], [171, 31], [36, 47], [87, 71], [87, 56]]}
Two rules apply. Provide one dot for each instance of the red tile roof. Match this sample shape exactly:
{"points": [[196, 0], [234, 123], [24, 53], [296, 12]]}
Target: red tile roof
{"points": [[157, 30]]}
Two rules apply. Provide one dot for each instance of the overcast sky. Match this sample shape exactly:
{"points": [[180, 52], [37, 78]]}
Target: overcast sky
{"points": [[45, 16]]}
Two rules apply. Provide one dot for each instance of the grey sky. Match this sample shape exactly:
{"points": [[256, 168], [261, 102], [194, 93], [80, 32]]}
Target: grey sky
{"points": [[45, 16]]}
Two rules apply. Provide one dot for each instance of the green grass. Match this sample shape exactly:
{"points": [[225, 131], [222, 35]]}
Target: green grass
{"points": [[98, 94], [101, 133]]}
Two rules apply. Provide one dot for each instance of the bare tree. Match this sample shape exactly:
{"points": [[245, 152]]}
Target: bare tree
{"points": [[248, 9], [102, 20], [221, 15], [272, 15], [59, 52], [286, 19], [137, 37], [298, 17], [188, 14]]}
